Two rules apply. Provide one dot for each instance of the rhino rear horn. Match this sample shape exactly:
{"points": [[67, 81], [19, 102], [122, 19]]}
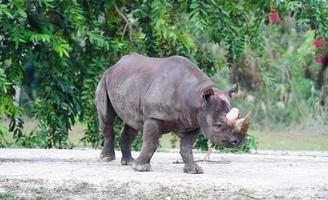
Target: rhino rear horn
{"points": [[232, 90], [243, 124]]}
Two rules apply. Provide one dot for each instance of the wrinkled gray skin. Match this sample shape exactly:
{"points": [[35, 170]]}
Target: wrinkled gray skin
{"points": [[158, 96]]}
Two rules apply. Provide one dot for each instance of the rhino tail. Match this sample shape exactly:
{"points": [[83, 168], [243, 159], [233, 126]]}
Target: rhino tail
{"points": [[104, 107]]}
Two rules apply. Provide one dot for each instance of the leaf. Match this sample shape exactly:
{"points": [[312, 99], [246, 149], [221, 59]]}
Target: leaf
{"points": [[5, 11], [39, 37], [61, 47], [98, 40]]}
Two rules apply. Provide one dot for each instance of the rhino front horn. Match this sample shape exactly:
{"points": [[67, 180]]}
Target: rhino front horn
{"points": [[233, 114], [243, 124]]}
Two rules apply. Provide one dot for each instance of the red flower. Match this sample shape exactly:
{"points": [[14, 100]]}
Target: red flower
{"points": [[274, 17], [319, 43], [320, 59]]}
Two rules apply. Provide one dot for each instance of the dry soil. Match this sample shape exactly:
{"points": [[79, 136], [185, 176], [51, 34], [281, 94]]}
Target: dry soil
{"points": [[79, 174]]}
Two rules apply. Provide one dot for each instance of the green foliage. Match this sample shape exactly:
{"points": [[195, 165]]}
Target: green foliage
{"points": [[137, 143], [202, 143], [250, 144], [10, 76], [65, 46], [291, 98], [34, 139], [90, 116], [4, 133]]}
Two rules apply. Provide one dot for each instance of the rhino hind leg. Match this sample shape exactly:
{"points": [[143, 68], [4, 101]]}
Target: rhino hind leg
{"points": [[107, 116], [107, 127], [127, 137], [151, 135]]}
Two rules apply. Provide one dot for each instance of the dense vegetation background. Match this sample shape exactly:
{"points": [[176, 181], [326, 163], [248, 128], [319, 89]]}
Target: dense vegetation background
{"points": [[53, 53]]}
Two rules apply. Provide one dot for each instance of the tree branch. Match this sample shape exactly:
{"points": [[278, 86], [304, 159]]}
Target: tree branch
{"points": [[128, 23]]}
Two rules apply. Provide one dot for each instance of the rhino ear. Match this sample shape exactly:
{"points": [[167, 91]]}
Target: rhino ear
{"points": [[207, 94], [232, 90]]}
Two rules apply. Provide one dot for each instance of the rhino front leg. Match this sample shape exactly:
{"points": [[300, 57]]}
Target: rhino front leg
{"points": [[186, 143], [127, 137], [151, 135]]}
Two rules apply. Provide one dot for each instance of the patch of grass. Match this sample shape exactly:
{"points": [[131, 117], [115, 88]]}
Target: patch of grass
{"points": [[241, 193], [40, 193], [76, 134], [80, 187], [277, 140], [9, 194], [269, 139], [117, 189], [175, 195], [291, 140], [169, 141]]}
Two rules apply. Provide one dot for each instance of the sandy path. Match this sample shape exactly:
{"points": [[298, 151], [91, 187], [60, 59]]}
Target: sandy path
{"points": [[79, 174]]}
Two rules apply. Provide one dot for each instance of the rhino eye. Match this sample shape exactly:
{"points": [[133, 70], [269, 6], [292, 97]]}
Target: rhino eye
{"points": [[218, 126]]}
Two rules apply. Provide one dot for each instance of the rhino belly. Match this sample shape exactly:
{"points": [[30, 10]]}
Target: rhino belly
{"points": [[125, 97]]}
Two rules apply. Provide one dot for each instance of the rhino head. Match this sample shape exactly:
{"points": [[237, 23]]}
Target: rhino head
{"points": [[219, 122]]}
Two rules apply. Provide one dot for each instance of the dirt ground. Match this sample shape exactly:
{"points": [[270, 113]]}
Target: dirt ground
{"points": [[79, 174]]}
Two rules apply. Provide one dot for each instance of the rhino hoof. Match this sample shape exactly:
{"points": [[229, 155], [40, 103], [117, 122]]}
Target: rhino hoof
{"points": [[141, 167], [107, 158], [127, 161], [193, 169]]}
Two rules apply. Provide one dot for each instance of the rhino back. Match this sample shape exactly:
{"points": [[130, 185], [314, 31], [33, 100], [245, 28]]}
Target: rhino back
{"points": [[167, 89]]}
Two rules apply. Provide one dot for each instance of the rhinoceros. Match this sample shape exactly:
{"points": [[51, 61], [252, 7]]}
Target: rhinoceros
{"points": [[162, 95]]}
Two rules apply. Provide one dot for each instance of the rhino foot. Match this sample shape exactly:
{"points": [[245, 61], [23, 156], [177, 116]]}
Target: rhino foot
{"points": [[141, 167], [193, 169], [127, 161], [107, 158]]}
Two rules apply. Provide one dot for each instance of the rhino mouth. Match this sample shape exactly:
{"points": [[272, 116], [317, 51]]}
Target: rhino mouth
{"points": [[240, 143], [234, 143]]}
